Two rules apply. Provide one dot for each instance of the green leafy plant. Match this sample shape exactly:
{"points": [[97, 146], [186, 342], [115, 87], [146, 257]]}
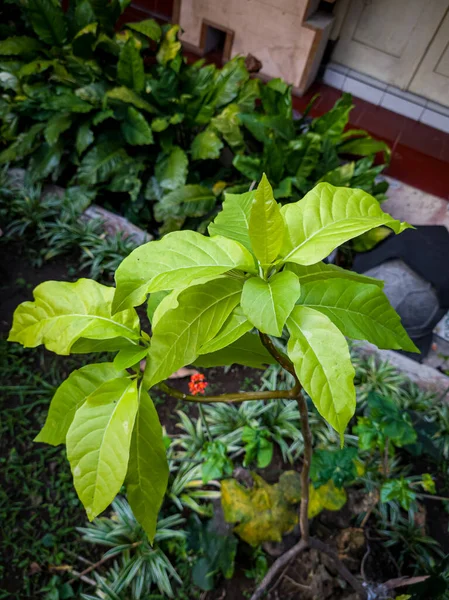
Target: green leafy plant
{"points": [[258, 447], [123, 114], [259, 269]]}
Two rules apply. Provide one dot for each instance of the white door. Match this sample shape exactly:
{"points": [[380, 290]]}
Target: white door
{"points": [[432, 77], [387, 39]]}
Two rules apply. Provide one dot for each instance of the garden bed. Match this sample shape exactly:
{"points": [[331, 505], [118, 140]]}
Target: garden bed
{"points": [[39, 502]]}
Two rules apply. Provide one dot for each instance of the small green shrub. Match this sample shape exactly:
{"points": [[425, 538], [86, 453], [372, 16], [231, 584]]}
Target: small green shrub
{"points": [[260, 270]]}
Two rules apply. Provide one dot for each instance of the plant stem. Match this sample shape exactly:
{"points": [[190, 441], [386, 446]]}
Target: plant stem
{"points": [[232, 397], [305, 471]]}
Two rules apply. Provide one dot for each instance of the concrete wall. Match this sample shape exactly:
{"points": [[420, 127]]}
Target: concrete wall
{"points": [[275, 31]]}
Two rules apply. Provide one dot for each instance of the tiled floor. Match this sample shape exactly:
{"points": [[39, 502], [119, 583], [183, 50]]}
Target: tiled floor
{"points": [[420, 154]]}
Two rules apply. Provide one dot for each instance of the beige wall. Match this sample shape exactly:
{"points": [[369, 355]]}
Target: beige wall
{"points": [[271, 30]]}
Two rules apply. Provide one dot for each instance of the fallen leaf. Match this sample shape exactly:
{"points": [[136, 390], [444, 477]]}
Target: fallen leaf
{"points": [[264, 512], [327, 496]]}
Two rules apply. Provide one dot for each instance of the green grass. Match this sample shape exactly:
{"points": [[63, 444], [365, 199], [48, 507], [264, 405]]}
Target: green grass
{"points": [[39, 509]]}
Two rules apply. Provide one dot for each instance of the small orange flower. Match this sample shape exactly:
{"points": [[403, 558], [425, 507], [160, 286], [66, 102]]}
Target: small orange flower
{"points": [[197, 384]]}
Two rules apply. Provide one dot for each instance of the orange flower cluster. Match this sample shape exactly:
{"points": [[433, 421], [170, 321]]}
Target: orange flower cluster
{"points": [[197, 384]]}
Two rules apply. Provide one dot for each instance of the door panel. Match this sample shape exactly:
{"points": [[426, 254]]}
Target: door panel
{"points": [[387, 38], [432, 77]]}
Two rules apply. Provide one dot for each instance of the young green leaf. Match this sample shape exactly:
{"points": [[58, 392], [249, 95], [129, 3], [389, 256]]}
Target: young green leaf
{"points": [[176, 261], [98, 443], [179, 334], [69, 396], [130, 69], [233, 221], [359, 310], [130, 356], [136, 129], [128, 96], [321, 270], [327, 217], [84, 137], [247, 350], [234, 327], [266, 226], [64, 312], [267, 304], [147, 477], [323, 365]]}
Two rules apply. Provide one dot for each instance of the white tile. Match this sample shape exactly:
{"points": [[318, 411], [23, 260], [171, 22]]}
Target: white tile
{"points": [[439, 108], [434, 119], [380, 85], [363, 90], [402, 107], [337, 67], [407, 95], [334, 79]]}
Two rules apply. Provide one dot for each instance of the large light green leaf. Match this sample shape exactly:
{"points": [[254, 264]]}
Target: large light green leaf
{"points": [[57, 125], [35, 67], [266, 226], [233, 221], [19, 45], [267, 304], [70, 395], [98, 443], [169, 47], [172, 168], [149, 28], [136, 129], [101, 162], [124, 94], [64, 312], [181, 332], [322, 270], [327, 217], [206, 145], [323, 365], [234, 327], [247, 350], [186, 201], [147, 477], [360, 311], [130, 69], [130, 356], [175, 261], [47, 19]]}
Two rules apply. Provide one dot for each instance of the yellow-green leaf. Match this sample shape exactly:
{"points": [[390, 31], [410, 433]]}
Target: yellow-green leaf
{"points": [[329, 216], [70, 395], [147, 477], [176, 261], [98, 443], [267, 304], [320, 354], [64, 312], [266, 226], [179, 334]]}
